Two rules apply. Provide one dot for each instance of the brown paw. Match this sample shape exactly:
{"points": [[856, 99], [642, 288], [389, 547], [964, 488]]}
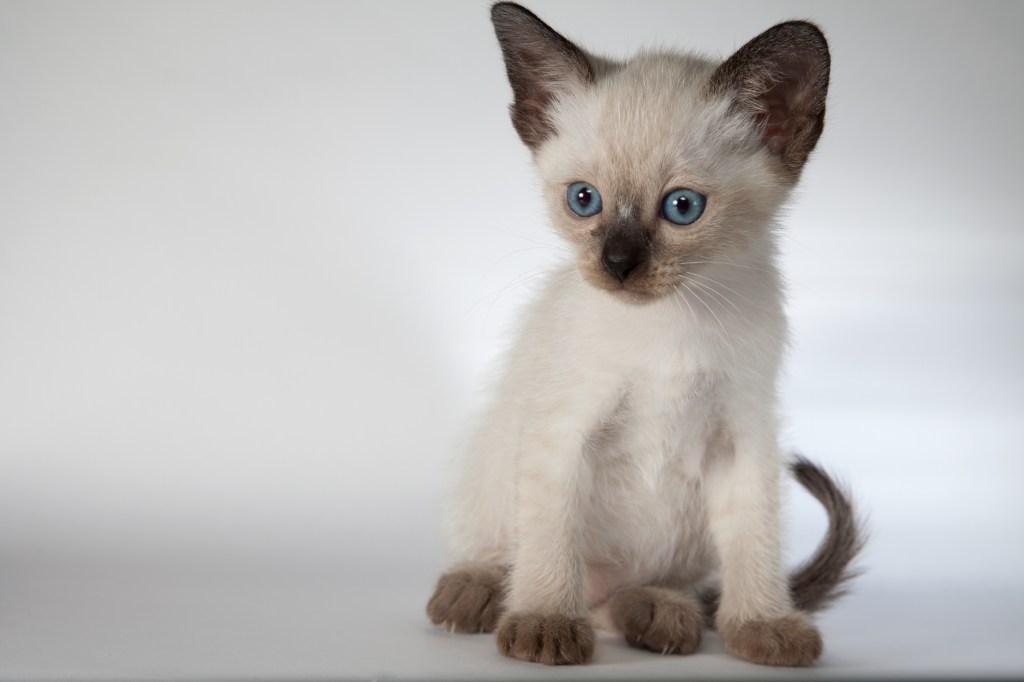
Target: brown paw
{"points": [[468, 598], [657, 619], [790, 641], [546, 638]]}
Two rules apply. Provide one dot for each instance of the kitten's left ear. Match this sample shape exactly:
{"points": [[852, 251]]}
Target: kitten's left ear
{"points": [[781, 78]]}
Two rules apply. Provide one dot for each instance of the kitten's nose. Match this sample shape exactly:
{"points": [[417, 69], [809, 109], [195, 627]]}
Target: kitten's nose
{"points": [[621, 257], [619, 264]]}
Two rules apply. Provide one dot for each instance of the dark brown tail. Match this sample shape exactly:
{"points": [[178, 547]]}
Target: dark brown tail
{"points": [[824, 577]]}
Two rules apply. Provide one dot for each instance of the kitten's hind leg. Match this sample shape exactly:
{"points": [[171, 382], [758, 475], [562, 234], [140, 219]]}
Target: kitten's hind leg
{"points": [[658, 619], [469, 597]]}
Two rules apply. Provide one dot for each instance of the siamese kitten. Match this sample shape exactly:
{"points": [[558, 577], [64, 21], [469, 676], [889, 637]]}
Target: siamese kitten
{"points": [[627, 473]]}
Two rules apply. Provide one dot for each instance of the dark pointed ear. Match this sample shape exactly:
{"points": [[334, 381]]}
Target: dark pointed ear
{"points": [[781, 78], [541, 65]]}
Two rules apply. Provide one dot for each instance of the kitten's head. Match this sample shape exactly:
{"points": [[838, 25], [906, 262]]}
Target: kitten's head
{"points": [[667, 163]]}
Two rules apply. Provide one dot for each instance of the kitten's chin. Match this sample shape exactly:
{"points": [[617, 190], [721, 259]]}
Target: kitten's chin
{"points": [[634, 296], [631, 292]]}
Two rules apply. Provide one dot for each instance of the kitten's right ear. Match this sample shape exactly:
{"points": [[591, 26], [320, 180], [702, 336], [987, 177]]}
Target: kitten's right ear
{"points": [[542, 65]]}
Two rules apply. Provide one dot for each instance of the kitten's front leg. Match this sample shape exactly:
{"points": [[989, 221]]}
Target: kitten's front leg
{"points": [[546, 620], [755, 615]]}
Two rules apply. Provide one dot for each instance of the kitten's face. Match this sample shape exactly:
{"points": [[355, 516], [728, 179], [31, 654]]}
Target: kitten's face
{"points": [[651, 179], [659, 167]]}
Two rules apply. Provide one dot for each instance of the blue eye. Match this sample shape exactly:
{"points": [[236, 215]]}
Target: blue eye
{"points": [[584, 199], [683, 206]]}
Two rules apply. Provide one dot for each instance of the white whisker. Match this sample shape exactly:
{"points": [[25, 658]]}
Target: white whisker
{"points": [[509, 255], [681, 295], [557, 245], [728, 288], [721, 325], [717, 294], [572, 290], [720, 262], [515, 281]]}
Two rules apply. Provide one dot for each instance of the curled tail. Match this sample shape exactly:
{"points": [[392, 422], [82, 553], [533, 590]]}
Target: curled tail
{"points": [[825, 576]]}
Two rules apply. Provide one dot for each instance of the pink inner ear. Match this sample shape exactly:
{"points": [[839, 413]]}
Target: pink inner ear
{"points": [[776, 120]]}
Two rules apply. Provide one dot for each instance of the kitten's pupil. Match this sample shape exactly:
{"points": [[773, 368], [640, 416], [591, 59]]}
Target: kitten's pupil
{"points": [[584, 196], [682, 204]]}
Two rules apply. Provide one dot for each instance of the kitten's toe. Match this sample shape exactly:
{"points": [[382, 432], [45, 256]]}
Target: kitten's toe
{"points": [[468, 598], [657, 619], [551, 639], [792, 640]]}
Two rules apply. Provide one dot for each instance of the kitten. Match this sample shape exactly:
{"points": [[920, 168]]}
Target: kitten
{"points": [[628, 470]]}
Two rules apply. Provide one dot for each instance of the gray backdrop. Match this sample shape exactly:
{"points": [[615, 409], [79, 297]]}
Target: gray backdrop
{"points": [[256, 260]]}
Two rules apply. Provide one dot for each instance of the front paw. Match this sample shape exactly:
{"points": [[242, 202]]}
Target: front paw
{"points": [[468, 598], [788, 641], [657, 619], [551, 639]]}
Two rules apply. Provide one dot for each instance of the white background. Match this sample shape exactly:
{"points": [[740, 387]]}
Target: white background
{"points": [[256, 260]]}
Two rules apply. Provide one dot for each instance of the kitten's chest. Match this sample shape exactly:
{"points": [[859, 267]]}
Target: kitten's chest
{"points": [[668, 372], [670, 388], [646, 502], [665, 421]]}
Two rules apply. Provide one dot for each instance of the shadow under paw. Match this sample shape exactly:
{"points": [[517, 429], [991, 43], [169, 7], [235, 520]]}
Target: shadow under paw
{"points": [[468, 598], [546, 638], [658, 619], [788, 641]]}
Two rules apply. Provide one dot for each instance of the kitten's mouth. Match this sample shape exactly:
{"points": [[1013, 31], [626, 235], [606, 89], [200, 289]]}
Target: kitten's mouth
{"points": [[631, 290], [638, 296]]}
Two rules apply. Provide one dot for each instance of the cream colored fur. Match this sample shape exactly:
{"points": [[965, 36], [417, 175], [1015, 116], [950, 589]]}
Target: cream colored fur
{"points": [[635, 444], [632, 439]]}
